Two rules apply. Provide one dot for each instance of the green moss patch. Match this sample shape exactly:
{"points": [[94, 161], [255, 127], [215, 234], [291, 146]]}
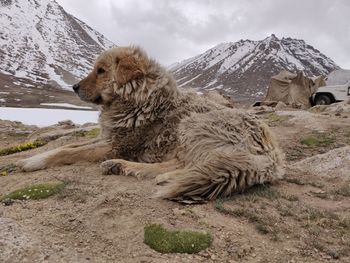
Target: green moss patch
{"points": [[93, 133], [316, 140], [39, 191], [165, 241], [22, 147]]}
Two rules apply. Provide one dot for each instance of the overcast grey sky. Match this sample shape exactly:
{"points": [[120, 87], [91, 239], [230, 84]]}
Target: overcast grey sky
{"points": [[173, 30]]}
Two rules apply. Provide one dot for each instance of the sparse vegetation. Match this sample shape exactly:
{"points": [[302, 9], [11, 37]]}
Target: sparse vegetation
{"points": [[264, 224], [165, 241], [22, 147], [273, 119], [343, 190], [7, 169], [93, 133], [317, 139], [39, 191], [277, 214], [310, 144]]}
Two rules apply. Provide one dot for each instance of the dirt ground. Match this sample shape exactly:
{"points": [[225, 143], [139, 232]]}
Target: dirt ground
{"points": [[303, 218]]}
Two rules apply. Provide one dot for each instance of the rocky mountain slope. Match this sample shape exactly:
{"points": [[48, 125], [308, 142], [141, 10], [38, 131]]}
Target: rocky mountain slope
{"points": [[244, 68], [41, 42]]}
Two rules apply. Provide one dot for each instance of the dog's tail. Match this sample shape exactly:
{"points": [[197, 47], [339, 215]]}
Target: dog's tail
{"points": [[221, 175]]}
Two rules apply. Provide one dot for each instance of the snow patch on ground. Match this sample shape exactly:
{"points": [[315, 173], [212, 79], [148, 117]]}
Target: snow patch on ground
{"points": [[196, 77], [65, 105]]}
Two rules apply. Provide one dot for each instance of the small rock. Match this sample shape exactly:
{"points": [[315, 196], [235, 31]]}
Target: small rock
{"points": [[281, 106], [65, 122], [8, 202], [179, 212], [334, 254], [317, 191]]}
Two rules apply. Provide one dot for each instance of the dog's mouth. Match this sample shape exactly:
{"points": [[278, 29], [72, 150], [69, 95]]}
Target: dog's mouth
{"points": [[98, 100]]}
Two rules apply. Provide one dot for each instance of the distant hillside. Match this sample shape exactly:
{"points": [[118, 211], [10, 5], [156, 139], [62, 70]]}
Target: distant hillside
{"points": [[41, 42], [244, 68]]}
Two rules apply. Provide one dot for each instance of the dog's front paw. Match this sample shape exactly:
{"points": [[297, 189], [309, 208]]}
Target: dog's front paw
{"points": [[32, 164], [162, 179], [111, 167]]}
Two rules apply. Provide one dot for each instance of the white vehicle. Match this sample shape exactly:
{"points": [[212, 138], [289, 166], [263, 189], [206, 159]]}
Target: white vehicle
{"points": [[329, 94]]}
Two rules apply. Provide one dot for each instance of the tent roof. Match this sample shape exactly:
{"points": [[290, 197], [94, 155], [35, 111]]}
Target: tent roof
{"points": [[284, 76]]}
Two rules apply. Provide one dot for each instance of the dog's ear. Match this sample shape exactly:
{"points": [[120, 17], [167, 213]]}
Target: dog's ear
{"points": [[128, 68]]}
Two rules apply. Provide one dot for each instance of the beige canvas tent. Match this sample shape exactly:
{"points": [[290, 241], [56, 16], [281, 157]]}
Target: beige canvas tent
{"points": [[338, 77], [292, 88]]}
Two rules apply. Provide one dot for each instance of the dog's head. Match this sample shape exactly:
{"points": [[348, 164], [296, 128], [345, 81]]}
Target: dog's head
{"points": [[117, 73]]}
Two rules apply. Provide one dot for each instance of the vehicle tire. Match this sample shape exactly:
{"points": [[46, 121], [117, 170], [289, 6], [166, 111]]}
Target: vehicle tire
{"points": [[323, 100]]}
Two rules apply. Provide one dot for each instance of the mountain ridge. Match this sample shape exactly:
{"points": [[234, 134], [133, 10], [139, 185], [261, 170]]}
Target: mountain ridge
{"points": [[41, 42], [243, 68]]}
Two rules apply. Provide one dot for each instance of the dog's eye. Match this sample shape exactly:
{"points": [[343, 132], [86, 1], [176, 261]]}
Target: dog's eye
{"points": [[100, 71]]}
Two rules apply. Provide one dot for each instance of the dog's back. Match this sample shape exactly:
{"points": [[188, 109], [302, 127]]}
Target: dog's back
{"points": [[223, 151]]}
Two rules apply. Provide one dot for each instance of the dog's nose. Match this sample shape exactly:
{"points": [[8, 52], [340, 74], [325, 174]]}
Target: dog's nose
{"points": [[76, 87]]}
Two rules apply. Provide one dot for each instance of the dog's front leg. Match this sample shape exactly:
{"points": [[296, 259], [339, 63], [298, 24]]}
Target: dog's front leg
{"points": [[139, 170], [92, 152]]}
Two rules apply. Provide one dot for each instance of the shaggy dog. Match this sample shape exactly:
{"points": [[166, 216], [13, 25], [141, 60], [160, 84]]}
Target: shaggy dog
{"points": [[196, 148]]}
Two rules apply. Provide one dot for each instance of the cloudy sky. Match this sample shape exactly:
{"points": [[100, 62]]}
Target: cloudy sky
{"points": [[173, 30]]}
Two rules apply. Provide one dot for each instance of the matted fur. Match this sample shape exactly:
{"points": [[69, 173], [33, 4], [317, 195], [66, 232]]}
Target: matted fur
{"points": [[196, 148]]}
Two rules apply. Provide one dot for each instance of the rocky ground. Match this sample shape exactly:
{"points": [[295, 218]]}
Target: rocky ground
{"points": [[303, 218]]}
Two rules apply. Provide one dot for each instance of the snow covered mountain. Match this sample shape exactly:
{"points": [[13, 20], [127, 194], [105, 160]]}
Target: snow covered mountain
{"points": [[243, 68], [41, 42]]}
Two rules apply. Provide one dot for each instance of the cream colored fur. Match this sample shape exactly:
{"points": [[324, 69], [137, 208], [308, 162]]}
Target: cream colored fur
{"points": [[197, 148]]}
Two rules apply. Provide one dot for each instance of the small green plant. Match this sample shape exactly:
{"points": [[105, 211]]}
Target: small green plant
{"points": [[165, 241], [273, 119], [93, 133], [22, 147], [316, 140], [39, 191], [7, 169]]}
